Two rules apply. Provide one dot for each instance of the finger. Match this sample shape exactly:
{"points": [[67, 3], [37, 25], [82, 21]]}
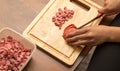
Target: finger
{"points": [[82, 42], [103, 9], [79, 42], [78, 37], [112, 13], [75, 38], [78, 32]]}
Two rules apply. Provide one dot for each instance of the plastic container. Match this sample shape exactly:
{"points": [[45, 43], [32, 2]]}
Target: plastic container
{"points": [[27, 44]]}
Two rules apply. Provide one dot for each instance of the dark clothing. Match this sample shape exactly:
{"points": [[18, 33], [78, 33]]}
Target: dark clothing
{"points": [[107, 55]]}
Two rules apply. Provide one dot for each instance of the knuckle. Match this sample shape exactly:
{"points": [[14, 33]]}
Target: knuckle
{"points": [[90, 34]]}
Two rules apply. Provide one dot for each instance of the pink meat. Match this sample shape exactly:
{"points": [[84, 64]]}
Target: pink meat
{"points": [[62, 16], [69, 29], [13, 54]]}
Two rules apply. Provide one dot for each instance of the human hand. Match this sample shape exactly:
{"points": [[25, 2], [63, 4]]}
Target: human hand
{"points": [[110, 7], [89, 36]]}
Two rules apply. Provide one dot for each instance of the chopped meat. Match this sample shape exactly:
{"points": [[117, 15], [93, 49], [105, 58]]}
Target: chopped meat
{"points": [[69, 29], [12, 54], [62, 16]]}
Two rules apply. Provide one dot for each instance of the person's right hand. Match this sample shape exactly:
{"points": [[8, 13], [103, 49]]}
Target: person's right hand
{"points": [[110, 7]]}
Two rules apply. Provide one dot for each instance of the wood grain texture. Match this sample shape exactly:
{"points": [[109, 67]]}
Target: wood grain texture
{"points": [[49, 37]]}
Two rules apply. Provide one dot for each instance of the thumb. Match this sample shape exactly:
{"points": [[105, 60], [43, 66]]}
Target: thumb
{"points": [[105, 11], [102, 10]]}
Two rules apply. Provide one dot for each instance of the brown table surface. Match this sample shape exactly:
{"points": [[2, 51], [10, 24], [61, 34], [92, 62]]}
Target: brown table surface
{"points": [[18, 14]]}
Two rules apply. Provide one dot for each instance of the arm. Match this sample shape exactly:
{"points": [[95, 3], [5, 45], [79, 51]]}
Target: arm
{"points": [[95, 35], [114, 34]]}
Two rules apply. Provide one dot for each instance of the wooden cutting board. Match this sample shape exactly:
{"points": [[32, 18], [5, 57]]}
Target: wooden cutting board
{"points": [[49, 37]]}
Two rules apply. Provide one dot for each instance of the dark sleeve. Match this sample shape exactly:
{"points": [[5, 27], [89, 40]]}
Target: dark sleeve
{"points": [[107, 55]]}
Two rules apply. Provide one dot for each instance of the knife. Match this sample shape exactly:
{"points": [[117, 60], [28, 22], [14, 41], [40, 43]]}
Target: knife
{"points": [[98, 16]]}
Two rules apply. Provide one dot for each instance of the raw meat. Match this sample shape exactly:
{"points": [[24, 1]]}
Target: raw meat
{"points": [[62, 16], [69, 29], [13, 54]]}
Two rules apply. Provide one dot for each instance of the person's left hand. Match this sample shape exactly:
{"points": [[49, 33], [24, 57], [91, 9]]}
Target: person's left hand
{"points": [[89, 36]]}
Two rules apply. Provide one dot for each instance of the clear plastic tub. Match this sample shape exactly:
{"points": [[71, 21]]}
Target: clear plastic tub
{"points": [[27, 44]]}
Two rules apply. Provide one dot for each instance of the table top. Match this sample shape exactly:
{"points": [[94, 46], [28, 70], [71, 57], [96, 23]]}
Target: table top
{"points": [[18, 14]]}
